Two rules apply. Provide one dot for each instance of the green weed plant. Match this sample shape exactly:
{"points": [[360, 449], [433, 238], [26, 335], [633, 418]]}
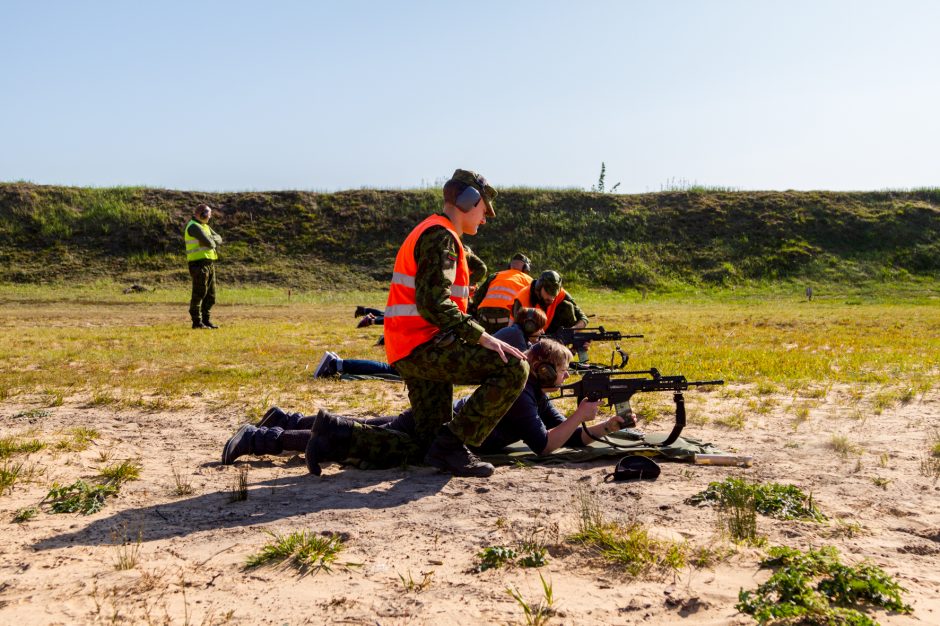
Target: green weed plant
{"points": [[79, 497], [786, 502], [815, 587]]}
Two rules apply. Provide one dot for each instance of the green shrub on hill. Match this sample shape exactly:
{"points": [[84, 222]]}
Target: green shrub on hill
{"points": [[348, 239]]}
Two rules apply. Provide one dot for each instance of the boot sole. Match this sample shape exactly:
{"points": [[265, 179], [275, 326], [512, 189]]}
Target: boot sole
{"points": [[484, 472], [321, 368]]}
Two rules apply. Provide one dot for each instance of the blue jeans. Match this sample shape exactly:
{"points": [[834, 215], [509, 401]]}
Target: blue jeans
{"points": [[364, 367]]}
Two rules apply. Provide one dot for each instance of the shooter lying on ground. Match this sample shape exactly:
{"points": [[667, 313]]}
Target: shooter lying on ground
{"points": [[384, 442]]}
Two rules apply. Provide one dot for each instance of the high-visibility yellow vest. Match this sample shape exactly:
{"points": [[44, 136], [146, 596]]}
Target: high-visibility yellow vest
{"points": [[195, 251]]}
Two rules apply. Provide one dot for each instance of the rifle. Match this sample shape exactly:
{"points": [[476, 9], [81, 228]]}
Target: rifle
{"points": [[617, 390], [571, 336]]}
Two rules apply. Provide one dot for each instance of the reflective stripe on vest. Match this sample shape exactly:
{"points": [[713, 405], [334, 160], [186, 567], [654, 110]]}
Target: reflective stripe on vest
{"points": [[503, 289], [405, 329], [195, 251]]}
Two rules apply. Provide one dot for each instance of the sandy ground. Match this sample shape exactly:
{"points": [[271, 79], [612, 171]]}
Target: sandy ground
{"points": [[60, 569]]}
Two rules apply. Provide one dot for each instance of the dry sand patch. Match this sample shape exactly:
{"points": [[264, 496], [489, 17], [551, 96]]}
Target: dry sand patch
{"points": [[411, 522]]}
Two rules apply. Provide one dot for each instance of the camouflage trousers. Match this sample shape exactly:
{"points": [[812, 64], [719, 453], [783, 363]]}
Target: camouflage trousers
{"points": [[430, 373], [203, 296], [487, 317]]}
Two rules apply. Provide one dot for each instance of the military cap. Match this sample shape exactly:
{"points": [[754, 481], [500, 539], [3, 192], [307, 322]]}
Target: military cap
{"points": [[480, 184], [550, 281], [520, 257]]}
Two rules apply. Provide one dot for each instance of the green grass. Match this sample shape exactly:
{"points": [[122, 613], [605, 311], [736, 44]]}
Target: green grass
{"points": [[9, 474], [307, 552], [120, 473], [97, 347], [77, 439], [14, 445]]}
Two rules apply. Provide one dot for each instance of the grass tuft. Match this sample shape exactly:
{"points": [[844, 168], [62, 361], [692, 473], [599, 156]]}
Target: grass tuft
{"points": [[120, 473], [302, 550], [629, 546], [77, 439], [543, 610], [239, 490]]}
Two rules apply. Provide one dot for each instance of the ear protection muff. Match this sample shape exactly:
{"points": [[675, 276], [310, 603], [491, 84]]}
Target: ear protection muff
{"points": [[468, 198], [545, 374]]}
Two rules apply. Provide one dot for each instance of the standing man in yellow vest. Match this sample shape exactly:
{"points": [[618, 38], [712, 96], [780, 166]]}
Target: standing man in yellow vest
{"points": [[201, 251], [492, 303], [434, 344]]}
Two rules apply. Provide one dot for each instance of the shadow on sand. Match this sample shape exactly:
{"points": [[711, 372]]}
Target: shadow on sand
{"points": [[268, 501]]}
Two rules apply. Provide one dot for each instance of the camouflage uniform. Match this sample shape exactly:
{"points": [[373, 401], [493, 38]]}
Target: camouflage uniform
{"points": [[432, 369], [567, 314]]}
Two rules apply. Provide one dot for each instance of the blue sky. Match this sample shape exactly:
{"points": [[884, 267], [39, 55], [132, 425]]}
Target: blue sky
{"points": [[239, 95]]}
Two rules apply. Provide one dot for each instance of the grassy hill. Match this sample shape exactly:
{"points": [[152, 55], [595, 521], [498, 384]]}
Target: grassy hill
{"points": [[349, 239]]}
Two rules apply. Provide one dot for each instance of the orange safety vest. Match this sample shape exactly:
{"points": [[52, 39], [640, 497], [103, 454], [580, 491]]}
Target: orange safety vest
{"points": [[405, 329], [504, 288], [525, 299]]}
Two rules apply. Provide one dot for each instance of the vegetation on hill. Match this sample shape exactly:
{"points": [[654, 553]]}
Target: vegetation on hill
{"points": [[348, 239]]}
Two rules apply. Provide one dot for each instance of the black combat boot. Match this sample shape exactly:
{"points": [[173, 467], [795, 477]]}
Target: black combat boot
{"points": [[252, 440], [239, 444], [197, 323], [206, 323], [330, 438], [449, 454], [273, 417], [360, 311]]}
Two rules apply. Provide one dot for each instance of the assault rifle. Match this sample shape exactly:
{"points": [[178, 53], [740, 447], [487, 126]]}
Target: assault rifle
{"points": [[613, 386], [571, 336]]}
